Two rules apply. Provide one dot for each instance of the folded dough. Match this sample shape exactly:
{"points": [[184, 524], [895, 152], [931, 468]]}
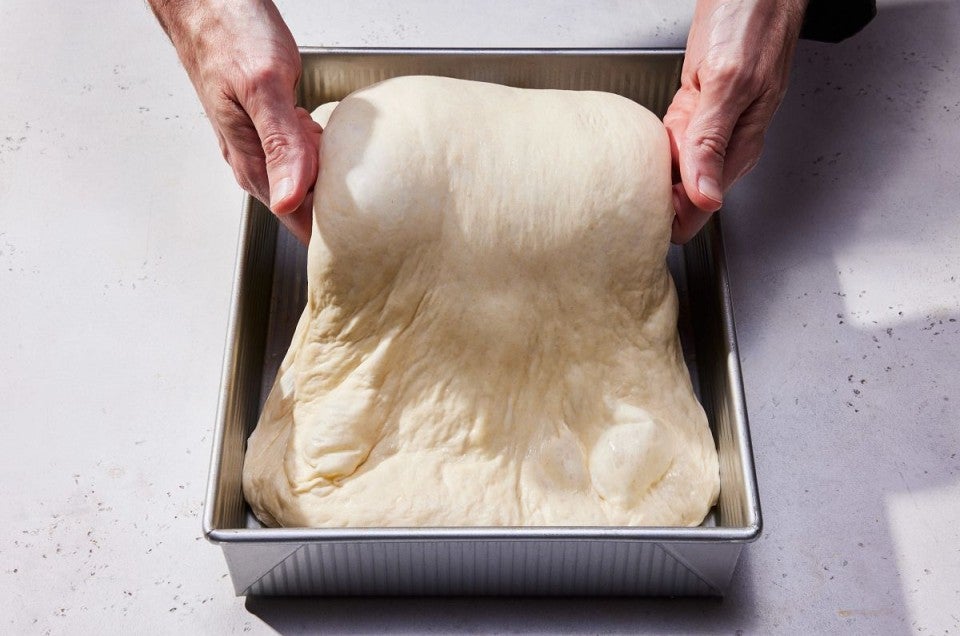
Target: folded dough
{"points": [[490, 334]]}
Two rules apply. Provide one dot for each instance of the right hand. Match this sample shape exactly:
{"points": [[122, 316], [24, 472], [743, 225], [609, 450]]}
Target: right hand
{"points": [[244, 64], [734, 77]]}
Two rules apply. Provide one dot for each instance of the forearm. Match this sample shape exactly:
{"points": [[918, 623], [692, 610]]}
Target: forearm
{"points": [[179, 18], [199, 28], [182, 20], [735, 22]]}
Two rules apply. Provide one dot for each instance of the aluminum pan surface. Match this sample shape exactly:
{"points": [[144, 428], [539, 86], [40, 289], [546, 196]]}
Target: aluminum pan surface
{"points": [[648, 77], [282, 303]]}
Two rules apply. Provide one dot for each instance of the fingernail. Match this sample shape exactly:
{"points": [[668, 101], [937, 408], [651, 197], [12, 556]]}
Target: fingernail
{"points": [[280, 191], [710, 188]]}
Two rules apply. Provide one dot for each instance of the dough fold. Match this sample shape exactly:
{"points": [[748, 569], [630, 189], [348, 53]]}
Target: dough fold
{"points": [[490, 333]]}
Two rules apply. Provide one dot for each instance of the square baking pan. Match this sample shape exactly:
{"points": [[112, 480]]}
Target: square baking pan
{"points": [[270, 291]]}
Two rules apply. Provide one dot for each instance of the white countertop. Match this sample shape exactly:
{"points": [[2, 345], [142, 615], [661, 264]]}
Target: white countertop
{"points": [[118, 227]]}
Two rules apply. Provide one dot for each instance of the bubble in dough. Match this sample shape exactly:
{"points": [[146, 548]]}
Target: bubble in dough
{"points": [[490, 333]]}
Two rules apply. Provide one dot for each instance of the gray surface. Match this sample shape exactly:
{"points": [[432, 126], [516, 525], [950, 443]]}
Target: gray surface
{"points": [[117, 233]]}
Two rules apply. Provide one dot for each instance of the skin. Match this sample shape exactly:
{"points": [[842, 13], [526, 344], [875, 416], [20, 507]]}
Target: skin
{"points": [[734, 77], [244, 64]]}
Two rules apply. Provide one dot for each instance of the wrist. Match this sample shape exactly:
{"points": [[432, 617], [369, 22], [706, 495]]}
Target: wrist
{"points": [[177, 17], [182, 21], [196, 27]]}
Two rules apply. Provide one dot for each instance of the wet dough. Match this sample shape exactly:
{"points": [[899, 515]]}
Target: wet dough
{"points": [[490, 335]]}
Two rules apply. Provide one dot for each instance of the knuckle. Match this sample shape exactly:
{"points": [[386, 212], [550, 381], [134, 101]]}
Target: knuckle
{"points": [[712, 142], [261, 73], [734, 73], [247, 182], [278, 146], [722, 70], [259, 85], [264, 75], [265, 80]]}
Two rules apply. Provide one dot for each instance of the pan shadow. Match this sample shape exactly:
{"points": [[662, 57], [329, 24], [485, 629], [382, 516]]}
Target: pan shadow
{"points": [[513, 615]]}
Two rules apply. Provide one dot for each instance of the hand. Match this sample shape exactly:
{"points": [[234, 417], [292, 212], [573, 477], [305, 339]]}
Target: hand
{"points": [[244, 64], [733, 80]]}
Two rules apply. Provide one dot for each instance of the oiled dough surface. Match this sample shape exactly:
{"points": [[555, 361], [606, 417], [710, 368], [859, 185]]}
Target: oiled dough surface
{"points": [[490, 335]]}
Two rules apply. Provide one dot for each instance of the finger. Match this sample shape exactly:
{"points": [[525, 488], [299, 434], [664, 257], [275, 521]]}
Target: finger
{"points": [[300, 221], [307, 122], [703, 146], [742, 155], [743, 151], [312, 130], [746, 144], [248, 170], [689, 218], [241, 148], [675, 131], [291, 161], [675, 120]]}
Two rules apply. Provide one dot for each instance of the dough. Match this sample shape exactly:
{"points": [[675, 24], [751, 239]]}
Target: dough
{"points": [[490, 334]]}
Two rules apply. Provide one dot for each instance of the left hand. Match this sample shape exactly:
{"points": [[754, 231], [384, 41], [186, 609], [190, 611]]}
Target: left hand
{"points": [[733, 80]]}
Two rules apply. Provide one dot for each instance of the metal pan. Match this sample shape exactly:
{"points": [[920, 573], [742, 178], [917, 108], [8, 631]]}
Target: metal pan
{"points": [[269, 293]]}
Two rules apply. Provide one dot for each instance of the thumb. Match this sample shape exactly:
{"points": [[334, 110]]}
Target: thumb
{"points": [[291, 160], [703, 151]]}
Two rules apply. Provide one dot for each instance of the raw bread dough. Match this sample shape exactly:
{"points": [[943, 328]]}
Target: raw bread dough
{"points": [[490, 335]]}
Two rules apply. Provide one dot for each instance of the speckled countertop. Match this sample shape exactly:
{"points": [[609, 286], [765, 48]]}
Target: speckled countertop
{"points": [[118, 225]]}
